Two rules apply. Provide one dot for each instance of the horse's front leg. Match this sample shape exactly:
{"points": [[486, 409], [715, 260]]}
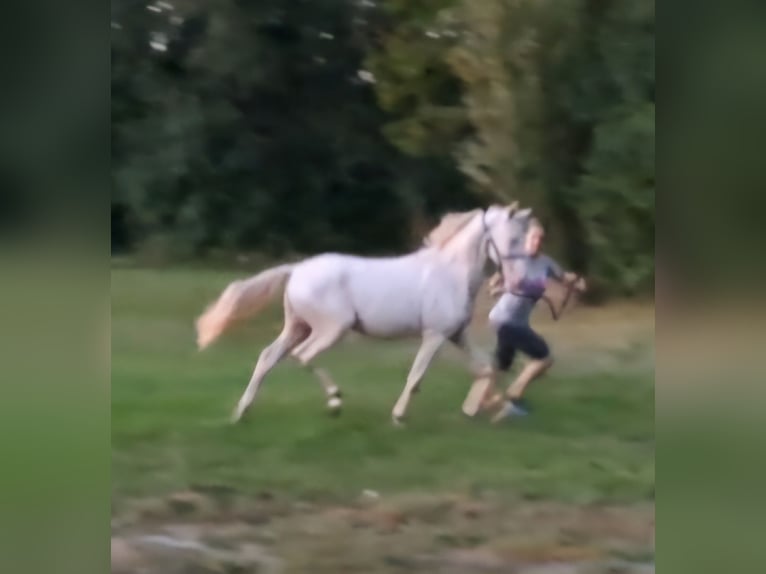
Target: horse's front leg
{"points": [[428, 348], [481, 368]]}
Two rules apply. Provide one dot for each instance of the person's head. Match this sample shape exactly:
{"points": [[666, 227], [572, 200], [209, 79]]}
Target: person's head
{"points": [[535, 236]]}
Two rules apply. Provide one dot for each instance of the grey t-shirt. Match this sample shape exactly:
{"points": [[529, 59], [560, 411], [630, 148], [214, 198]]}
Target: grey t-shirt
{"points": [[533, 274]]}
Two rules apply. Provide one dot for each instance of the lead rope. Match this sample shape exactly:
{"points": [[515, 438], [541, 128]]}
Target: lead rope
{"points": [[556, 313]]}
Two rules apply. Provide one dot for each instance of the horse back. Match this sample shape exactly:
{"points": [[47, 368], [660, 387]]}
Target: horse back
{"points": [[381, 297]]}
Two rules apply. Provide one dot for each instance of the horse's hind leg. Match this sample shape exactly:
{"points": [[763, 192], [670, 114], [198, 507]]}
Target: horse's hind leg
{"points": [[293, 333], [331, 390], [322, 338]]}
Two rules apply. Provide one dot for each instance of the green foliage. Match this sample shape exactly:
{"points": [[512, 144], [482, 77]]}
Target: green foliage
{"points": [[557, 111], [414, 82], [343, 125], [599, 145], [614, 200], [254, 131]]}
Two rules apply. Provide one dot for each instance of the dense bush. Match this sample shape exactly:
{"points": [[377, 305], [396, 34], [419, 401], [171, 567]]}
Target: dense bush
{"points": [[350, 125]]}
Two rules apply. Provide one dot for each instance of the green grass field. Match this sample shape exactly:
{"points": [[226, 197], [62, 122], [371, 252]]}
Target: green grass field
{"points": [[573, 484], [591, 438]]}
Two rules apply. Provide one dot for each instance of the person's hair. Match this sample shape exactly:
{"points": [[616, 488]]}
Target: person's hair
{"points": [[535, 223]]}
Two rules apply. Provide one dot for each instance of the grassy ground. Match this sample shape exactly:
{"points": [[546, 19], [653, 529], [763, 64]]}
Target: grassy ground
{"points": [[590, 441]]}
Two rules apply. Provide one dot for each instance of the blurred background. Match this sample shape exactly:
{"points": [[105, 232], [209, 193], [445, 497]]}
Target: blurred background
{"points": [[247, 132], [271, 127]]}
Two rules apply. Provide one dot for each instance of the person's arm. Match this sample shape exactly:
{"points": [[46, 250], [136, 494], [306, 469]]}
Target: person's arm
{"points": [[567, 278]]}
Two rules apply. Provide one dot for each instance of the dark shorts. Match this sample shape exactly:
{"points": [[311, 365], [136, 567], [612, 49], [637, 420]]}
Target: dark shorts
{"points": [[512, 338]]}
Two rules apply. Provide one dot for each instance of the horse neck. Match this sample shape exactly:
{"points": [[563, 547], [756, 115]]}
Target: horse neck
{"points": [[466, 254]]}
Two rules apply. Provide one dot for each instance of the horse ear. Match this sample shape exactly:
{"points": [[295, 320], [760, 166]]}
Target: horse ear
{"points": [[513, 208], [523, 213]]}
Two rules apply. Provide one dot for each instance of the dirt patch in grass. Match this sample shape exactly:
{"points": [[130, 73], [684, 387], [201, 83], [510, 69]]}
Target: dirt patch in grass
{"points": [[207, 532]]}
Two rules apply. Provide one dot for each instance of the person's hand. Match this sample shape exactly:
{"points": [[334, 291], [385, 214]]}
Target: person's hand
{"points": [[573, 281], [496, 285]]}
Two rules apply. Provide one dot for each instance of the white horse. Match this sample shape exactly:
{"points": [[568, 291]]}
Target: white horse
{"points": [[430, 292]]}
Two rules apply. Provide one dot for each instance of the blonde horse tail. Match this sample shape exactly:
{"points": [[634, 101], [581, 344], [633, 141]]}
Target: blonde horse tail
{"points": [[240, 300]]}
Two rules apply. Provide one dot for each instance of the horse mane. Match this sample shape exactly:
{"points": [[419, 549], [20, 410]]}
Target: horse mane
{"points": [[449, 226]]}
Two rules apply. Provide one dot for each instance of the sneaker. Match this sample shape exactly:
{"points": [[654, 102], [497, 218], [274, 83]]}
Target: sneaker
{"points": [[522, 405], [511, 408]]}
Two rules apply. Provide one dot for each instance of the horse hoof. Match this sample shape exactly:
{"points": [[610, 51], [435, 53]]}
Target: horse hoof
{"points": [[334, 405], [398, 422], [236, 416]]}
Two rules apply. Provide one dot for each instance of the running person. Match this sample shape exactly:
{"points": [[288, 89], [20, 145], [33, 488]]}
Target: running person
{"points": [[526, 273]]}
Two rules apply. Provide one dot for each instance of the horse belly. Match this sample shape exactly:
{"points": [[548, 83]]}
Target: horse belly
{"points": [[387, 322], [446, 310], [387, 305]]}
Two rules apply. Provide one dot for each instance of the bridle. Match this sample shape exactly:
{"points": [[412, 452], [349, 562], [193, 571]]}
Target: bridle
{"points": [[555, 313]]}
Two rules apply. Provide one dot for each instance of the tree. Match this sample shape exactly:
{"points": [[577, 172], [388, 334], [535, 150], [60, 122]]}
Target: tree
{"points": [[557, 101], [246, 126]]}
